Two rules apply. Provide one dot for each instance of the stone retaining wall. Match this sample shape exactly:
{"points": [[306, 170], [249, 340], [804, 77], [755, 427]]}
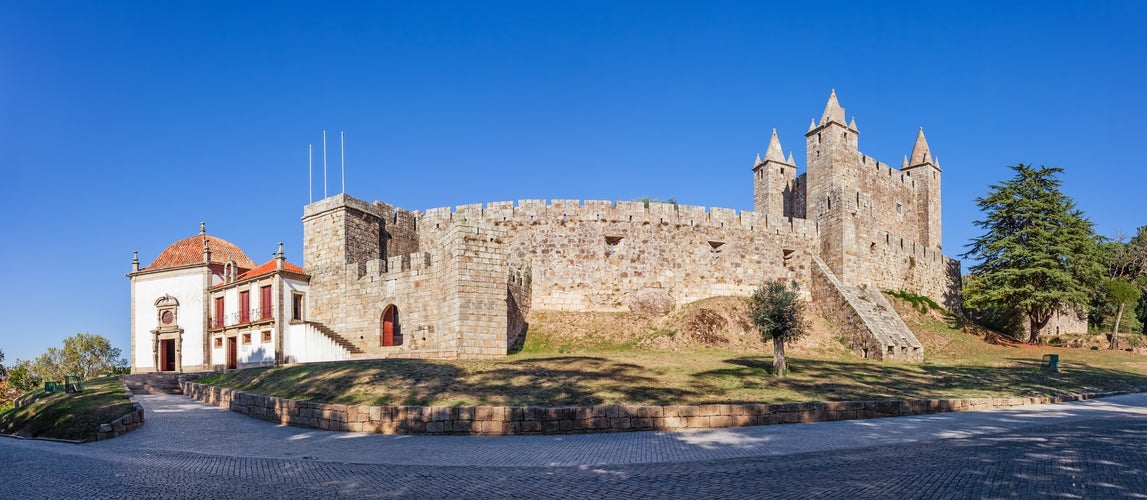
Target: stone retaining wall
{"points": [[503, 420], [122, 425]]}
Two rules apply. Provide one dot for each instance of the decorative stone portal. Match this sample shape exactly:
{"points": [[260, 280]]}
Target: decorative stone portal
{"points": [[167, 337]]}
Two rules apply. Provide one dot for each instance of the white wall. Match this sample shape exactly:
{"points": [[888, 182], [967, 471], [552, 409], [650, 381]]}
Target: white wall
{"points": [[258, 351], [309, 345], [187, 287]]}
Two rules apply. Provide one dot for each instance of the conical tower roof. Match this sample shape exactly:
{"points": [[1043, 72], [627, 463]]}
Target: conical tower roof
{"points": [[774, 152], [920, 152], [832, 111]]}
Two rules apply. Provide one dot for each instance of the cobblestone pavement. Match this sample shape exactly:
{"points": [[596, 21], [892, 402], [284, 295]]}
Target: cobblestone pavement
{"points": [[1089, 449]]}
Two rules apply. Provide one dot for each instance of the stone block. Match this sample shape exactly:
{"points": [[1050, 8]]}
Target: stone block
{"points": [[697, 422], [721, 421], [533, 413], [711, 410], [463, 413], [484, 413]]}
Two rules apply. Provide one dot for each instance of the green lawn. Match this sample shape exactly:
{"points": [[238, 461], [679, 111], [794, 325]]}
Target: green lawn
{"points": [[551, 373], [69, 416]]}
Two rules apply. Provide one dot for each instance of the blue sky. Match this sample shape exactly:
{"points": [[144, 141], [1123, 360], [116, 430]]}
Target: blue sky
{"points": [[123, 125]]}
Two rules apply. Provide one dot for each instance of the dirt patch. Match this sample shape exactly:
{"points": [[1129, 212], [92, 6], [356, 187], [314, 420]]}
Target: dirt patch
{"points": [[715, 322]]}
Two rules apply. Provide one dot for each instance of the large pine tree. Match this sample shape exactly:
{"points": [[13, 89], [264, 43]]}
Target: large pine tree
{"points": [[1039, 254]]}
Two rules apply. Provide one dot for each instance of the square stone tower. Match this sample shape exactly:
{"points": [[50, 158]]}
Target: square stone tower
{"points": [[832, 151]]}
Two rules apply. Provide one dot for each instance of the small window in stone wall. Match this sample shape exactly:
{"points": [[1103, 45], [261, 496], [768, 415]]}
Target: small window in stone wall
{"points": [[899, 209], [715, 248], [611, 243], [246, 339], [266, 336]]}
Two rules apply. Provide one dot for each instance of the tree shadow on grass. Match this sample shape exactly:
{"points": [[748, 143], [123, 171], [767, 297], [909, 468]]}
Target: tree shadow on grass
{"points": [[573, 381], [822, 380], [556, 381]]}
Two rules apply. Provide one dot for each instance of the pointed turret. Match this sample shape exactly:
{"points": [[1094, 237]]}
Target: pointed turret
{"points": [[904, 165], [852, 125], [832, 110], [790, 160], [920, 152], [758, 162], [811, 125], [774, 152]]}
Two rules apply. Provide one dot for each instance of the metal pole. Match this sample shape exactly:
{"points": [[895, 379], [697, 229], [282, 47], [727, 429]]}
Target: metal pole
{"points": [[342, 157], [311, 172], [324, 164]]}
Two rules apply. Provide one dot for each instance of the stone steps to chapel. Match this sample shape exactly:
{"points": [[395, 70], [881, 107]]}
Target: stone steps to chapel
{"points": [[152, 383]]}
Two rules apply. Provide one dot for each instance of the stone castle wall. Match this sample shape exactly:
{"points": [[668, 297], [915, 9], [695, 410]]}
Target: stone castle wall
{"points": [[464, 278], [478, 269]]}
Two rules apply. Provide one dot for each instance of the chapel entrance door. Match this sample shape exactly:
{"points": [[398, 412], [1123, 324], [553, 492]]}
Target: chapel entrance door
{"points": [[388, 326], [167, 355], [232, 353]]}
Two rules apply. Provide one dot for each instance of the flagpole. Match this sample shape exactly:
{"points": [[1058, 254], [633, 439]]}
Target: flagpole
{"points": [[311, 172], [342, 156], [324, 164]]}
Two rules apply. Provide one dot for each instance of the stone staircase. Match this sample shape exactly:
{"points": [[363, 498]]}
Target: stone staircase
{"points": [[152, 383], [866, 317], [336, 338]]}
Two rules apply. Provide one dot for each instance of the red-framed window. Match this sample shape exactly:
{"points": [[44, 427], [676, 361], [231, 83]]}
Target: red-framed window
{"points": [[245, 306], [218, 312], [266, 303]]}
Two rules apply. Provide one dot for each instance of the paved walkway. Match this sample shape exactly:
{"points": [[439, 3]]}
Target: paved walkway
{"points": [[180, 424], [1088, 449]]}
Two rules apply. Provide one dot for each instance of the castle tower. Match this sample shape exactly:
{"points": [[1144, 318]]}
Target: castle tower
{"points": [[925, 170], [773, 181], [832, 151], [340, 235]]}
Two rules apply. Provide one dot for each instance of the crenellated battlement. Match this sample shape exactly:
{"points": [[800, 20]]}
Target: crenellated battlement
{"points": [[414, 263], [895, 176], [535, 211]]}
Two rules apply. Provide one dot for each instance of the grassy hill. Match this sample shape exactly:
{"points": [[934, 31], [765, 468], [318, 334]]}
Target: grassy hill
{"points": [[701, 353], [68, 416]]}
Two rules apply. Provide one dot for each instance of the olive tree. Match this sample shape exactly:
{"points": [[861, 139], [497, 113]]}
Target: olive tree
{"points": [[778, 313]]}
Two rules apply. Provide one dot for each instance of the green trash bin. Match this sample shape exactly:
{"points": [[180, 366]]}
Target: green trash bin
{"points": [[72, 383], [1050, 363], [51, 387]]}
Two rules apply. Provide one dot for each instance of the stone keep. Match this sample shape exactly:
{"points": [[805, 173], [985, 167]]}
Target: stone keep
{"points": [[462, 280]]}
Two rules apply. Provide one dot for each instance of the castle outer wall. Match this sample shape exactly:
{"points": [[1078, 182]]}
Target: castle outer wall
{"points": [[463, 279]]}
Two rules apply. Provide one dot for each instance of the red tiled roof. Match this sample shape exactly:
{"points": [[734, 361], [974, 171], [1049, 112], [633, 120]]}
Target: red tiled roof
{"points": [[268, 268], [190, 251]]}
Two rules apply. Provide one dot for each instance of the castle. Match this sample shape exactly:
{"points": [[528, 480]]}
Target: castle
{"points": [[379, 281]]}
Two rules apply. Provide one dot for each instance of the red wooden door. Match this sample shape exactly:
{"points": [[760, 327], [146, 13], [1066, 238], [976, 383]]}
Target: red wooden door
{"points": [[219, 312], [162, 356], [244, 307], [388, 326], [232, 353], [265, 303]]}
